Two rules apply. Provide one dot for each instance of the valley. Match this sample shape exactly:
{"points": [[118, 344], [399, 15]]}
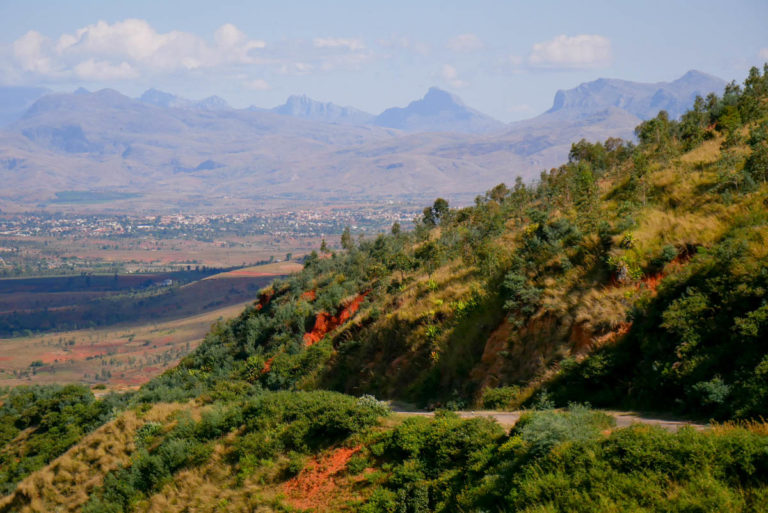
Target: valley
{"points": [[112, 359], [265, 258]]}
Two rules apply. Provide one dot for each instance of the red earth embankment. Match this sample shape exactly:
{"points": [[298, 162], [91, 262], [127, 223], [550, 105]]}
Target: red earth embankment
{"points": [[314, 486], [325, 322]]}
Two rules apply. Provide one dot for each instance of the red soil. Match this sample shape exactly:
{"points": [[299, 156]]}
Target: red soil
{"points": [[313, 487], [267, 365], [613, 336], [309, 295], [652, 281], [325, 322]]}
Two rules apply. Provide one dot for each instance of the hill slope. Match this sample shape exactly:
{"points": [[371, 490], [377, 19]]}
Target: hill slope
{"points": [[633, 275]]}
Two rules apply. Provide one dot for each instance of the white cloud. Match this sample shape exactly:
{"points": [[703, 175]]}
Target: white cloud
{"points": [[131, 48], [258, 84], [295, 68], [582, 51], [451, 75], [30, 52], [465, 43], [339, 42], [93, 69], [122, 50], [405, 43], [763, 53]]}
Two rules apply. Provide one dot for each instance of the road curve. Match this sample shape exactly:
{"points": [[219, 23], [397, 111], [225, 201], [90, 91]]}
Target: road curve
{"points": [[508, 419]]}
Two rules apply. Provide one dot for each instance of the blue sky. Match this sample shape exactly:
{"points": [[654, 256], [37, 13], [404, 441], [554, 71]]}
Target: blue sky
{"points": [[505, 58]]}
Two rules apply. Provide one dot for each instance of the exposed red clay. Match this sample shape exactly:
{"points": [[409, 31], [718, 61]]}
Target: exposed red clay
{"points": [[313, 487], [325, 322], [267, 365], [309, 295], [613, 336]]}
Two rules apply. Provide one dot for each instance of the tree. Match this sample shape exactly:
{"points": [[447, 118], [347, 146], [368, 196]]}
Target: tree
{"points": [[434, 214], [428, 253], [323, 246], [693, 124], [396, 229], [498, 193], [346, 239], [440, 208]]}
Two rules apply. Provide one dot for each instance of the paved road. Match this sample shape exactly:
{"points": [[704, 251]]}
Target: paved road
{"points": [[508, 419]]}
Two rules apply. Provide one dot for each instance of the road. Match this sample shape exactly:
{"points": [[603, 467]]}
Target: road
{"points": [[508, 419]]}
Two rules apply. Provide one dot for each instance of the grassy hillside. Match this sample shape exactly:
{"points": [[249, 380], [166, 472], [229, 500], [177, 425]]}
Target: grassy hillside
{"points": [[632, 276], [626, 277]]}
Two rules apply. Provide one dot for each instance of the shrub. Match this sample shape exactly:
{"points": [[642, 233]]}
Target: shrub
{"points": [[501, 398]]}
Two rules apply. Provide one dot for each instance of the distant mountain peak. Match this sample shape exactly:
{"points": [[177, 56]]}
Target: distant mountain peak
{"points": [[163, 99], [213, 103], [302, 106], [640, 99], [438, 111], [437, 97]]}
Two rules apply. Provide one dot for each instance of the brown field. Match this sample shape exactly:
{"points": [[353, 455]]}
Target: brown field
{"points": [[257, 271], [119, 357], [149, 253]]}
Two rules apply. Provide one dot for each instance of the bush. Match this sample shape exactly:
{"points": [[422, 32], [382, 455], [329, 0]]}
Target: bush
{"points": [[501, 398]]}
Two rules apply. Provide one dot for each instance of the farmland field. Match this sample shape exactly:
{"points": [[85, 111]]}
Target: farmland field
{"points": [[119, 357], [118, 330], [37, 305]]}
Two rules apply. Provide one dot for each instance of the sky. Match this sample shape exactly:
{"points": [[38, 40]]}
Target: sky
{"points": [[504, 58]]}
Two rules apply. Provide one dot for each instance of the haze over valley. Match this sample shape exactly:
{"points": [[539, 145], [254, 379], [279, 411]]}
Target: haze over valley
{"points": [[164, 152], [383, 257]]}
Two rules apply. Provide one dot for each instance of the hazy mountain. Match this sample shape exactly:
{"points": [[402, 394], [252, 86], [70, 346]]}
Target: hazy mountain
{"points": [[212, 103], [163, 99], [301, 106], [14, 101], [438, 111], [643, 100], [205, 155]]}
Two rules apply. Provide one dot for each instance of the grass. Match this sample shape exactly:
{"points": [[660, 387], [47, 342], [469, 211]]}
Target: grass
{"points": [[65, 483]]}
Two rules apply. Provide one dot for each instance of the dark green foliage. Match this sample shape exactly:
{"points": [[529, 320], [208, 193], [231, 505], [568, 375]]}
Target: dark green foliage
{"points": [[697, 347], [561, 462], [501, 398], [270, 425], [435, 214], [430, 460], [58, 417], [303, 421]]}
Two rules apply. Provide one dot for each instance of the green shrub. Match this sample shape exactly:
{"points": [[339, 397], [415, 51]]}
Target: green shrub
{"points": [[501, 398]]}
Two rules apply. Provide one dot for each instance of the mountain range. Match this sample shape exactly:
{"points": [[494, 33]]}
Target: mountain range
{"points": [[181, 153]]}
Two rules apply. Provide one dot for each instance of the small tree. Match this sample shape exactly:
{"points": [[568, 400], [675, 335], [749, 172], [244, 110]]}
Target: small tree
{"points": [[346, 239]]}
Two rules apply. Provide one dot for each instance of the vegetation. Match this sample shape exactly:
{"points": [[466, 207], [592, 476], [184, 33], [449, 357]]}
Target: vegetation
{"points": [[632, 276], [563, 462], [39, 423]]}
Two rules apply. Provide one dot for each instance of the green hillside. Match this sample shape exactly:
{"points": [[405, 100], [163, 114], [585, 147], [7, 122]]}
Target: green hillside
{"points": [[633, 276]]}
